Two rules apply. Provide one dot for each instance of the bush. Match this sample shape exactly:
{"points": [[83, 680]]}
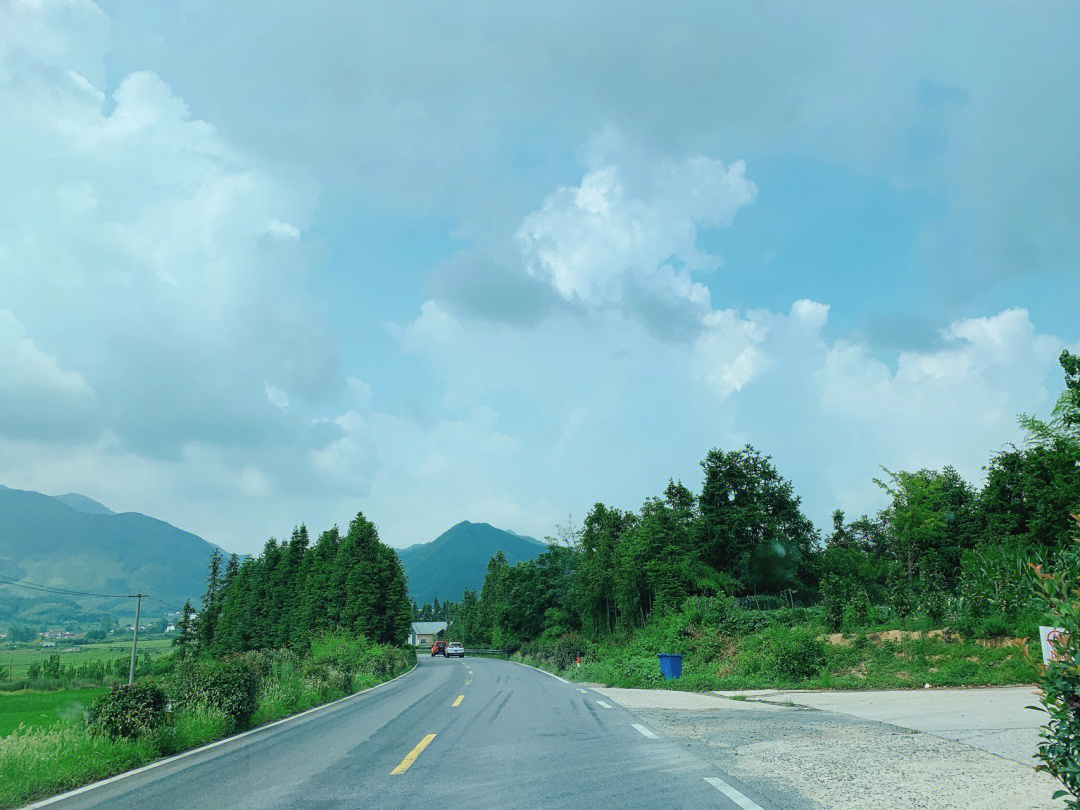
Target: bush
{"points": [[559, 654], [782, 655], [128, 710], [798, 654], [231, 685], [832, 601], [1059, 751], [340, 651]]}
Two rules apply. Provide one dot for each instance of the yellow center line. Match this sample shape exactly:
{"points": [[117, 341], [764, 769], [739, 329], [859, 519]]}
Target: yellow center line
{"points": [[410, 758], [470, 672], [468, 681], [458, 701]]}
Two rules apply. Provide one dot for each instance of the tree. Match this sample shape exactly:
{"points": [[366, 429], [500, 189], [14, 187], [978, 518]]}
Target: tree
{"points": [[187, 637], [1027, 493], [211, 602], [930, 522], [750, 523], [594, 589]]}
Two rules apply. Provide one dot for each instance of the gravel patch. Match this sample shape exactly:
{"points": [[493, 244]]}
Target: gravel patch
{"points": [[821, 760]]}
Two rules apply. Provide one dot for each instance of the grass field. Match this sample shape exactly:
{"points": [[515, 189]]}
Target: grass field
{"points": [[43, 709], [21, 658]]}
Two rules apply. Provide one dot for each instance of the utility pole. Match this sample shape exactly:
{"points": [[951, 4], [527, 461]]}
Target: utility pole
{"points": [[135, 639]]}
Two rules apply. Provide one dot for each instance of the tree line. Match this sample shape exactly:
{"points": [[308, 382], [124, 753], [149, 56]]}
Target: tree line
{"points": [[940, 547], [295, 591]]}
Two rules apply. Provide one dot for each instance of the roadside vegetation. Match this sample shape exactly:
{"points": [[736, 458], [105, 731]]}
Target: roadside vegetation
{"points": [[278, 634], [45, 669], [1059, 752], [935, 589]]}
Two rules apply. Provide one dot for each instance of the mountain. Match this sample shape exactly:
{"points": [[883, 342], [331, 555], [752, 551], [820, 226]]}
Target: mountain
{"points": [[458, 558], [76, 543], [80, 503]]}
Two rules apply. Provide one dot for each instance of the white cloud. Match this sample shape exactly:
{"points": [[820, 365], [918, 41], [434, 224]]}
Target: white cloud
{"points": [[282, 230], [949, 406], [277, 397], [360, 391], [624, 405], [25, 369], [590, 241], [157, 278]]}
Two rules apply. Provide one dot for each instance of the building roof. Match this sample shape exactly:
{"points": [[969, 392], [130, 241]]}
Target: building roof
{"points": [[428, 628]]}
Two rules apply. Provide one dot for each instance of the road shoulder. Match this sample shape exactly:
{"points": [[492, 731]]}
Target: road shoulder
{"points": [[836, 760]]}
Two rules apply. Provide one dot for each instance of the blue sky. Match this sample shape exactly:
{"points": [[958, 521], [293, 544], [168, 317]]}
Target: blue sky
{"points": [[263, 264]]}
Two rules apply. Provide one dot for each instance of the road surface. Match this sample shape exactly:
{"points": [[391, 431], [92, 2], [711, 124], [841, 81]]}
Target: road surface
{"points": [[477, 733]]}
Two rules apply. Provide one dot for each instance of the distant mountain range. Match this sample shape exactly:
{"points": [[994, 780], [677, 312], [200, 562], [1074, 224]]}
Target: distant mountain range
{"points": [[73, 542], [457, 559]]}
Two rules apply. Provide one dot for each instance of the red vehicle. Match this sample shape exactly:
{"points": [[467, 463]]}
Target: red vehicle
{"points": [[438, 648]]}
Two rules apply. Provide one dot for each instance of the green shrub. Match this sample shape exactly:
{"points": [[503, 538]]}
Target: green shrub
{"points": [[128, 710], [1059, 751], [559, 654], [340, 651], [782, 656], [832, 601], [231, 684], [798, 654]]}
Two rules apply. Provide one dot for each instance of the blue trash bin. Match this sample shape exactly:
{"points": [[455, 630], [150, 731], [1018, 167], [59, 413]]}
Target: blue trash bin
{"points": [[670, 665]]}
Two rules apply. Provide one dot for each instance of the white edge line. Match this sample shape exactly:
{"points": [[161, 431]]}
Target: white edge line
{"points": [[583, 691], [159, 762], [744, 802], [644, 730], [605, 705], [530, 666]]}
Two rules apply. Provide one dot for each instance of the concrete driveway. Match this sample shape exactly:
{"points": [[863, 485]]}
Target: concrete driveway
{"points": [[946, 749], [996, 720]]}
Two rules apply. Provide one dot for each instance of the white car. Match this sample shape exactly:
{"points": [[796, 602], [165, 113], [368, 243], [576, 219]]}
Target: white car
{"points": [[455, 648]]}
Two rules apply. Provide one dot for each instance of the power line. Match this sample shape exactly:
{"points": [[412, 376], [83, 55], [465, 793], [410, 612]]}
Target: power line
{"points": [[35, 586]]}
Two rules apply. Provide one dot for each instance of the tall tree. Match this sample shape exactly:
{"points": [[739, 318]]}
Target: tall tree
{"points": [[211, 602], [187, 637], [750, 523]]}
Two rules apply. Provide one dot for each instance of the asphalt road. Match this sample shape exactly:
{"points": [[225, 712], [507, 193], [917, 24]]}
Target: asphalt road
{"points": [[478, 733]]}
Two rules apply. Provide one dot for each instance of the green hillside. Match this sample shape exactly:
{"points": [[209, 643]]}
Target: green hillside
{"points": [[458, 558], [76, 543]]}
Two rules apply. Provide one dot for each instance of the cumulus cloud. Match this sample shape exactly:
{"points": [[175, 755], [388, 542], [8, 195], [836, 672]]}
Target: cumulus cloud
{"points": [[158, 283], [597, 370], [591, 240], [155, 274], [163, 268]]}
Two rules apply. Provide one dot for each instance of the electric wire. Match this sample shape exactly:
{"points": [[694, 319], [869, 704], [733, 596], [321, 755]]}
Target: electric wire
{"points": [[36, 586]]}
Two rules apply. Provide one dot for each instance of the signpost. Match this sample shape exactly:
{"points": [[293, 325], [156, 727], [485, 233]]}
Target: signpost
{"points": [[1049, 636]]}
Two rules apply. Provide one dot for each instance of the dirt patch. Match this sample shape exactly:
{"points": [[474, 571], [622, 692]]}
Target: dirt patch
{"points": [[898, 636], [998, 643], [838, 640]]}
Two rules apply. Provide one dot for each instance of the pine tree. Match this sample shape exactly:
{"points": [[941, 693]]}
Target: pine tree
{"points": [[187, 636], [211, 602]]}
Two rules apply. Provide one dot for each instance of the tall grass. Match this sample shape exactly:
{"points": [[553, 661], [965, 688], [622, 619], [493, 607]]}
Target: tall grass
{"points": [[38, 762]]}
